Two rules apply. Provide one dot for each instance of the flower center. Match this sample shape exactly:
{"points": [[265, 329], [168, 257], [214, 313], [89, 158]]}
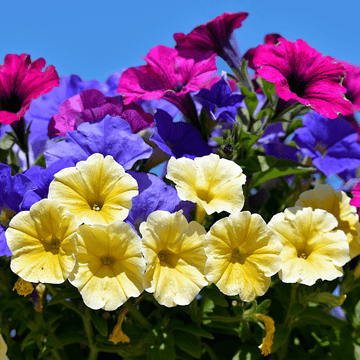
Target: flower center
{"points": [[168, 258], [11, 104], [296, 85], [205, 195], [107, 260], [5, 216], [321, 147], [52, 245], [302, 256], [96, 207], [237, 256]]}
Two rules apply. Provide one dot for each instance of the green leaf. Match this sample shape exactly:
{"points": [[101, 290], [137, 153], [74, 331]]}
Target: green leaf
{"points": [[215, 295], [262, 113], [280, 337], [251, 100], [267, 87], [326, 298], [99, 323], [261, 308], [293, 126], [188, 343], [296, 309], [218, 139], [40, 161], [356, 317], [68, 293], [247, 352], [274, 169], [192, 329], [317, 316]]}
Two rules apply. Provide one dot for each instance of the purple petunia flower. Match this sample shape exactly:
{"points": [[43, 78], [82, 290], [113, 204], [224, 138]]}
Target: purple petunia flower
{"points": [[166, 75], [221, 103], [22, 81], [42, 178], [178, 138], [13, 189], [91, 105], [110, 136], [301, 73], [154, 194], [330, 143], [274, 146], [214, 37]]}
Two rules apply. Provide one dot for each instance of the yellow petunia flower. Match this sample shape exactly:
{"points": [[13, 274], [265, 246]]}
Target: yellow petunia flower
{"points": [[243, 254], [312, 248], [3, 349], [337, 203], [109, 265], [97, 191], [212, 183], [268, 340], [43, 242], [175, 257]]}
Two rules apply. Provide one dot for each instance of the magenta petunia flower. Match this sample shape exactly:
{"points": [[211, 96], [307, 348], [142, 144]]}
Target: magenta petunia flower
{"points": [[22, 81], [355, 201], [352, 84], [213, 37], [249, 55], [301, 73], [166, 75], [91, 105]]}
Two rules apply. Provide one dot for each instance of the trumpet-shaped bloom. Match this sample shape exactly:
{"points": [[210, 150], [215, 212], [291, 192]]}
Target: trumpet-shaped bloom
{"points": [[109, 265], [97, 191], [91, 105], [301, 73], [337, 203], [331, 144], [21, 81], [312, 248], [43, 242], [175, 257], [213, 37], [166, 75], [212, 183], [111, 136], [242, 254]]}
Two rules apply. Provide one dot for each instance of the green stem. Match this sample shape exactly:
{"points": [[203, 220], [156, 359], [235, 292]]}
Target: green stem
{"points": [[89, 332], [56, 355]]}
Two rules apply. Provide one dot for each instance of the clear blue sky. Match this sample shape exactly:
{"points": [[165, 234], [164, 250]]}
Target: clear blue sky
{"points": [[93, 39]]}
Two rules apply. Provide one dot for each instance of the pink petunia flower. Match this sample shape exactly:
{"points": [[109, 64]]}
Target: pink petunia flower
{"points": [[352, 84], [166, 75], [301, 73], [355, 201], [91, 105], [213, 37], [22, 81]]}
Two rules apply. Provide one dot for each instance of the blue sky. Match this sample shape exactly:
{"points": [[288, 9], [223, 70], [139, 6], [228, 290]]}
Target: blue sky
{"points": [[93, 39]]}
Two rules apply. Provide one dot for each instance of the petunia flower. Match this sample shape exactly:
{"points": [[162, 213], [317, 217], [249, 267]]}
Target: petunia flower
{"points": [[178, 138], [301, 73], [91, 105], [337, 203], [215, 37], [355, 201], [21, 81], [166, 75], [212, 183], [175, 258], [109, 265], [110, 136], [352, 83], [3, 349], [249, 55], [330, 143], [43, 243], [242, 254], [220, 101], [97, 191], [154, 195], [13, 190], [312, 248]]}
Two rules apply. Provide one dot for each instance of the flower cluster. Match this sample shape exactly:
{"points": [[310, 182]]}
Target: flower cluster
{"points": [[183, 190]]}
